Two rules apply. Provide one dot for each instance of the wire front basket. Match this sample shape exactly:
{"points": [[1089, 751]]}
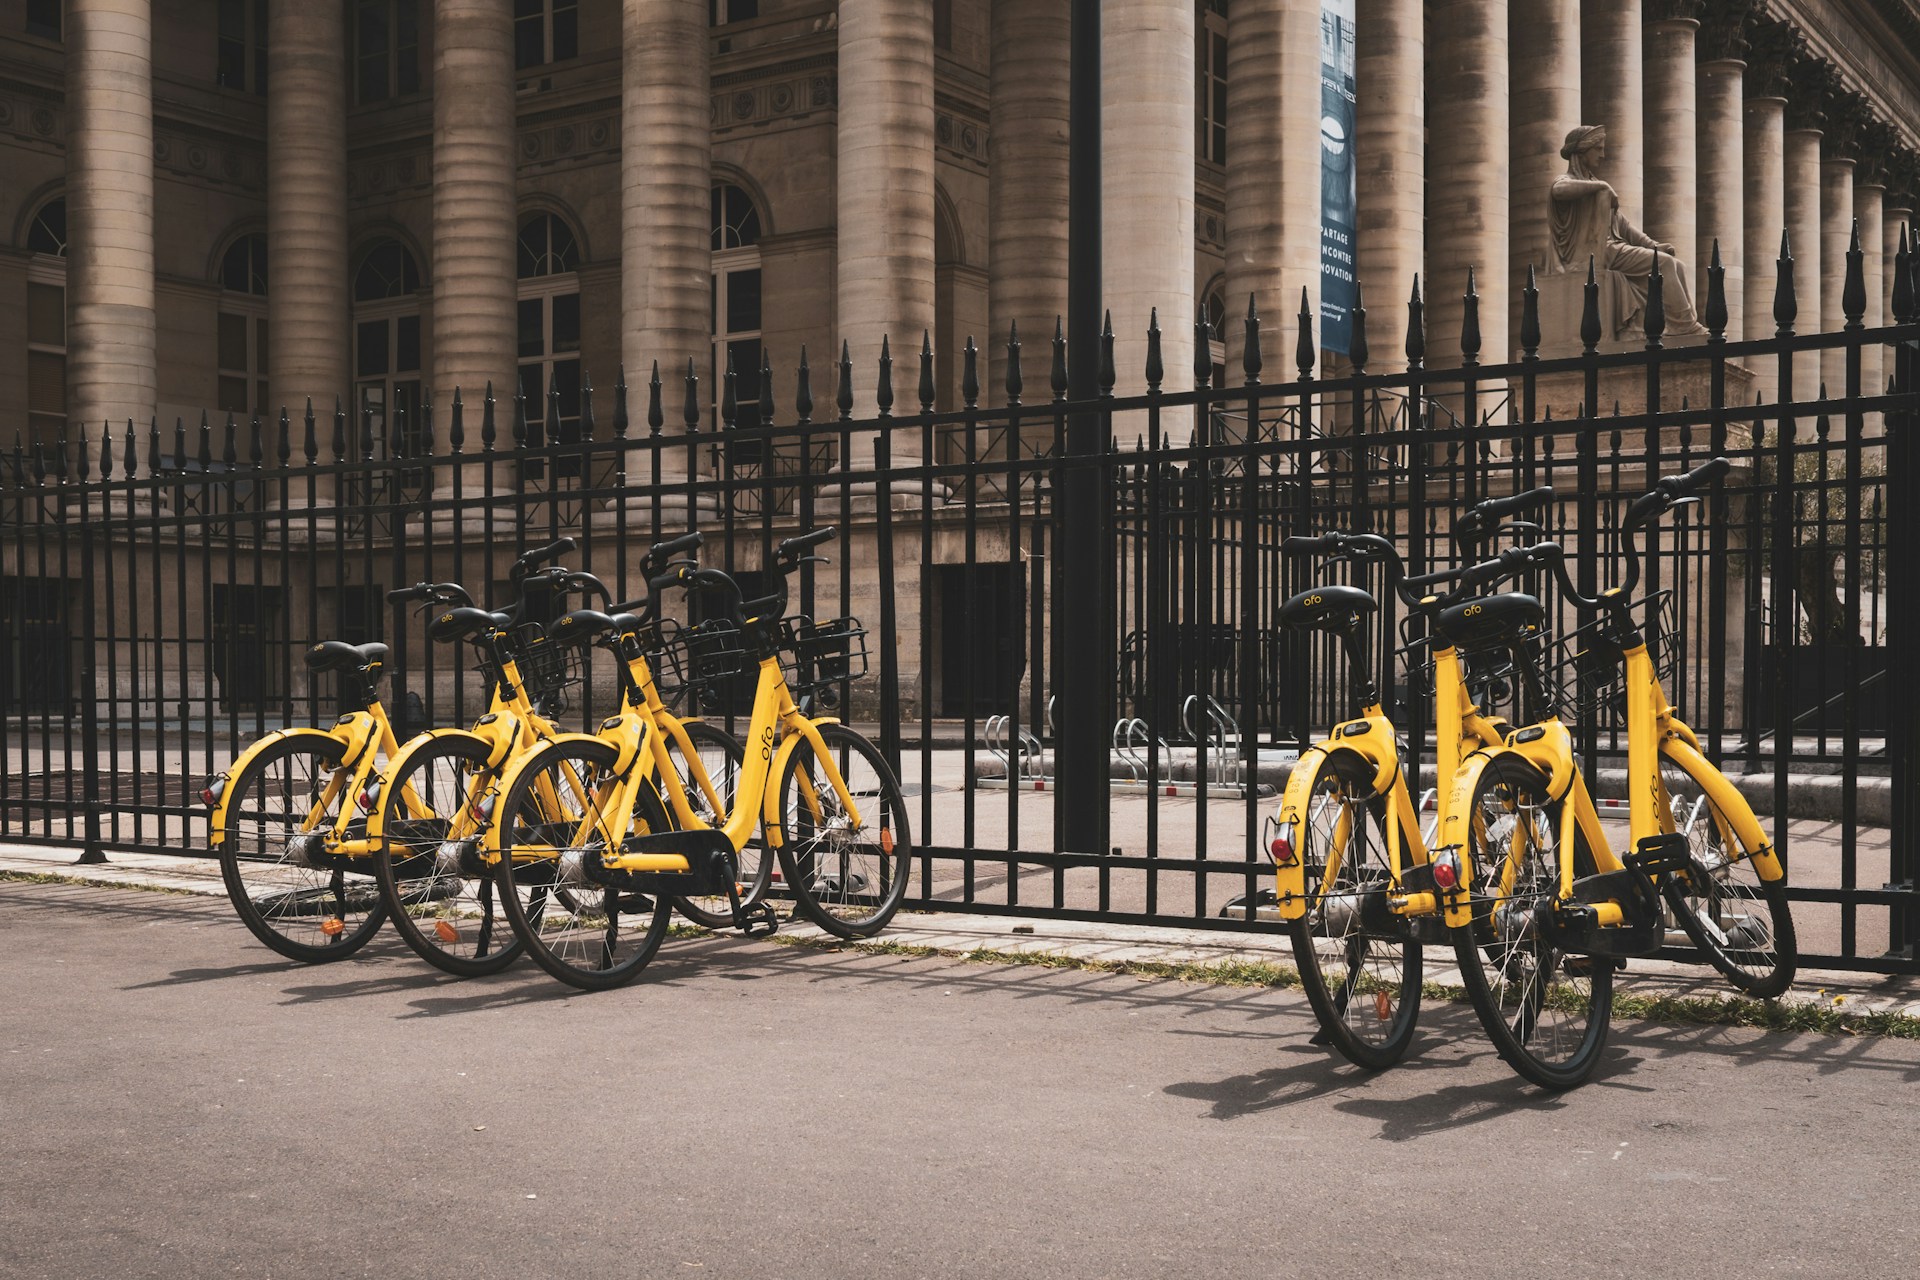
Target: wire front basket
{"points": [[547, 670], [1588, 667], [817, 655]]}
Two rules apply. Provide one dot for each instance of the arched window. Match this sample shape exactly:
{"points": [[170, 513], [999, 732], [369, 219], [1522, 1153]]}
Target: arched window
{"points": [[242, 333], [47, 328], [549, 260], [736, 300], [386, 349]]}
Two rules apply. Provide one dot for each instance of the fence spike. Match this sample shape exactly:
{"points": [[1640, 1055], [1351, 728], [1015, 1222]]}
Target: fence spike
{"points": [[39, 465], [926, 388], [690, 408], [487, 430], [1903, 281], [803, 390], [656, 415], [456, 422], [843, 395], [1853, 293], [970, 375], [1057, 374], [1590, 311], [519, 425], [1530, 317], [550, 421], [83, 464], [130, 450], [622, 421], [206, 443], [1108, 376], [729, 393], [1202, 349], [1416, 326], [179, 444], [1251, 361], [1305, 349], [1656, 312], [1014, 384], [1357, 350], [883, 391], [1470, 322], [366, 435], [283, 444], [1716, 315], [1785, 307], [1156, 366], [766, 391], [255, 452], [229, 454], [586, 404]]}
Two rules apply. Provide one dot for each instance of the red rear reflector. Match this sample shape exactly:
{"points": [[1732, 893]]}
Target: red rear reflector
{"points": [[207, 797], [1282, 851]]}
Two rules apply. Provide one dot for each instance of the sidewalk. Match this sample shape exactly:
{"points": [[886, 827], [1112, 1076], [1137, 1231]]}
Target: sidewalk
{"points": [[1105, 945]]}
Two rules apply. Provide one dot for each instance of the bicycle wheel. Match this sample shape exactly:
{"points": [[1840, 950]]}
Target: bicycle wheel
{"points": [[1741, 923], [1363, 983], [1546, 1011], [722, 758], [846, 877], [307, 912], [441, 902], [585, 934]]}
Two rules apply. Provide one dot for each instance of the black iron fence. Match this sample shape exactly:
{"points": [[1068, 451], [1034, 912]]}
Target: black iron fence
{"points": [[1037, 611]]}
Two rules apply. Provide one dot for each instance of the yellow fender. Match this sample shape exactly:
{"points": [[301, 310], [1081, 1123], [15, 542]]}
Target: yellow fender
{"points": [[1728, 800], [770, 811], [1456, 827], [1290, 882], [511, 774], [404, 757], [217, 820]]}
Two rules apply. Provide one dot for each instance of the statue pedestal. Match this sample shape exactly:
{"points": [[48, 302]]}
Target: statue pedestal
{"points": [[1688, 384]]}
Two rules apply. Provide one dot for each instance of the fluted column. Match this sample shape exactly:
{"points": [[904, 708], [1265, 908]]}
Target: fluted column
{"points": [[1467, 202], [886, 193], [666, 254], [1836, 230], [1273, 164], [110, 291], [1673, 27], [1763, 219], [1869, 205], [1390, 146], [1721, 185], [1611, 81], [1545, 37], [473, 203], [307, 309], [1027, 173], [1801, 184], [1147, 159]]}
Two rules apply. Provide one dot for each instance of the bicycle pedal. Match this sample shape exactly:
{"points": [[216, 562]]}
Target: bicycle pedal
{"points": [[1662, 855], [759, 920], [633, 904]]}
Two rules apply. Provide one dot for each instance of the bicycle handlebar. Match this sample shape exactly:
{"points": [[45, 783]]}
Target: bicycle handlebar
{"points": [[805, 542], [1485, 517], [532, 560], [433, 592]]}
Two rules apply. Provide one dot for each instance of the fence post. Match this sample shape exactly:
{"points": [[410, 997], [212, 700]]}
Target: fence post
{"points": [[92, 852], [1903, 592]]}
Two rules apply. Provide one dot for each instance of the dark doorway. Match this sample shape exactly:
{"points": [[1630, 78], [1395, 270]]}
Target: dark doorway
{"points": [[247, 636], [36, 673], [982, 637]]}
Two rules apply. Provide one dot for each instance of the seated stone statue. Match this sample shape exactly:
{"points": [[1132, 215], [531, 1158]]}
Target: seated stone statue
{"points": [[1587, 223]]}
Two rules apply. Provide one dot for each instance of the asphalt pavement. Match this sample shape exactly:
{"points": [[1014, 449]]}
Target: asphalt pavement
{"points": [[175, 1100]]}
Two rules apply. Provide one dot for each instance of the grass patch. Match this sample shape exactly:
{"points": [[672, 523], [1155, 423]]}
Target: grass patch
{"points": [[93, 882]]}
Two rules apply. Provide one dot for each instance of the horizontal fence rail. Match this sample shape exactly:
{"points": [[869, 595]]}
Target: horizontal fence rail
{"points": [[161, 584]]}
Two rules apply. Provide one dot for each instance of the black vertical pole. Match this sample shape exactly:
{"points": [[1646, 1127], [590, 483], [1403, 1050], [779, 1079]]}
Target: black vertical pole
{"points": [[1082, 637]]}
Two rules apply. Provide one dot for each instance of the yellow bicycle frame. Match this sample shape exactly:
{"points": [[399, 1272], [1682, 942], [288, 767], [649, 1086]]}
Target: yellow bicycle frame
{"points": [[364, 738]]}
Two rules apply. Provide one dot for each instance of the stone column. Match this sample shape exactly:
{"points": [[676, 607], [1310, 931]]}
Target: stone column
{"points": [[1273, 167], [1800, 179], [1147, 159], [886, 198], [1546, 104], [666, 182], [1836, 231], [474, 289], [1721, 186], [1391, 150], [307, 312], [1027, 177], [1672, 30], [1764, 220], [1611, 93], [110, 290], [1869, 204], [1467, 202]]}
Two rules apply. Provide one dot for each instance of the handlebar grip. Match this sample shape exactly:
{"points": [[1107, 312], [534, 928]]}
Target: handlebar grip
{"points": [[1483, 518], [1301, 544], [401, 595], [802, 542], [541, 555], [672, 578], [1700, 477], [673, 546]]}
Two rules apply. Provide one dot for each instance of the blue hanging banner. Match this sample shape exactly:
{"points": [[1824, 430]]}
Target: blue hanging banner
{"points": [[1339, 184]]}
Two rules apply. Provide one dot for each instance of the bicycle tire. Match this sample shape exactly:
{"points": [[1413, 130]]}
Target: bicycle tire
{"points": [[1367, 1011], [755, 866], [448, 914], [312, 914], [1547, 1012], [570, 925], [1741, 923], [847, 885]]}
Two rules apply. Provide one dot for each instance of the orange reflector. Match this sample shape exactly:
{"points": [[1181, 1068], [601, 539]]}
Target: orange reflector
{"points": [[886, 840], [1382, 1007], [333, 926], [445, 931]]}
